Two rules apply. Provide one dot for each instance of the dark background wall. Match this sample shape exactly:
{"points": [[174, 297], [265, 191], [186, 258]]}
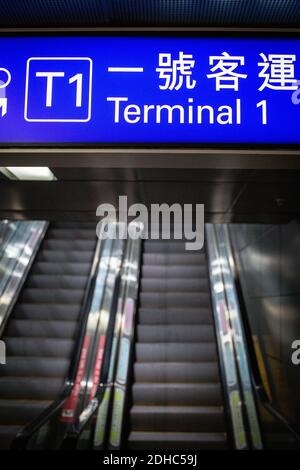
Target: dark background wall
{"points": [[269, 268]]}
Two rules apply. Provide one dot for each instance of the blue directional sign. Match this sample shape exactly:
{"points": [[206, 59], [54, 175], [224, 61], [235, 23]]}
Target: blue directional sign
{"points": [[102, 90]]}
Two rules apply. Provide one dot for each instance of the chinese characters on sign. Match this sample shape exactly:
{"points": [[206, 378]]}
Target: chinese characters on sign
{"points": [[278, 71], [175, 73]]}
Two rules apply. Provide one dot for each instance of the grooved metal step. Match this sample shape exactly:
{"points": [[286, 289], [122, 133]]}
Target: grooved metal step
{"points": [[177, 418], [174, 285], [165, 246], [168, 372], [42, 328], [175, 315], [47, 296], [27, 311], [177, 440], [172, 259], [173, 272], [7, 434], [68, 268], [73, 256], [30, 388], [49, 282], [55, 347], [177, 394], [174, 299], [35, 366], [176, 352], [175, 333], [177, 400], [15, 412]]}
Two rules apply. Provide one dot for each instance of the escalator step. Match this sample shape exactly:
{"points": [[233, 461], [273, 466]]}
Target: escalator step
{"points": [[174, 299], [42, 328], [177, 418], [73, 256], [177, 440], [30, 388], [73, 226], [189, 316], [43, 281], [52, 312], [174, 272], [68, 245], [173, 372], [20, 412], [175, 333], [73, 269], [29, 366], [165, 246], [174, 285], [54, 347], [177, 394], [7, 433], [174, 259], [176, 352], [51, 296], [77, 234]]}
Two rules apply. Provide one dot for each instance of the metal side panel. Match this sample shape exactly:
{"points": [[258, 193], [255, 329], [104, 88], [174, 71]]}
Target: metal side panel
{"points": [[126, 342], [238, 334], [225, 341], [19, 252]]}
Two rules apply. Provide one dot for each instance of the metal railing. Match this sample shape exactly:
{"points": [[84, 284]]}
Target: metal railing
{"points": [[20, 242], [100, 330], [253, 398], [231, 342], [93, 427]]}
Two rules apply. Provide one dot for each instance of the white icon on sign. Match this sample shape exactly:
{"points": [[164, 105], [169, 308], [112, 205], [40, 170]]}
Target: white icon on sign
{"points": [[49, 87], [50, 81], [3, 85], [125, 69]]}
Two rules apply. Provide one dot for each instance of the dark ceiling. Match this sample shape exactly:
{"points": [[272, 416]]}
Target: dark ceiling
{"points": [[95, 13]]}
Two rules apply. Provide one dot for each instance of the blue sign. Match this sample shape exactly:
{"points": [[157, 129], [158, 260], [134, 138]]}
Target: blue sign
{"points": [[98, 90]]}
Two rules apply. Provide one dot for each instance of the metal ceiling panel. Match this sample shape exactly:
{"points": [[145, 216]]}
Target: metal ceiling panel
{"points": [[96, 13]]}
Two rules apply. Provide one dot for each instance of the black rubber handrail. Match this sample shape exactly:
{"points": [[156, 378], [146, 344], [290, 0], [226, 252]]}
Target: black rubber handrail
{"points": [[21, 440]]}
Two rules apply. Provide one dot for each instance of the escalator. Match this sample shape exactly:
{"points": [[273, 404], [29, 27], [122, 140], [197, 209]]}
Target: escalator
{"points": [[176, 396], [41, 332], [168, 365]]}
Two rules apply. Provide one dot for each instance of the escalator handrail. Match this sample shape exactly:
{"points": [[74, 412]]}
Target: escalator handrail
{"points": [[256, 376], [229, 369], [22, 438], [104, 374], [117, 305], [87, 414]]}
